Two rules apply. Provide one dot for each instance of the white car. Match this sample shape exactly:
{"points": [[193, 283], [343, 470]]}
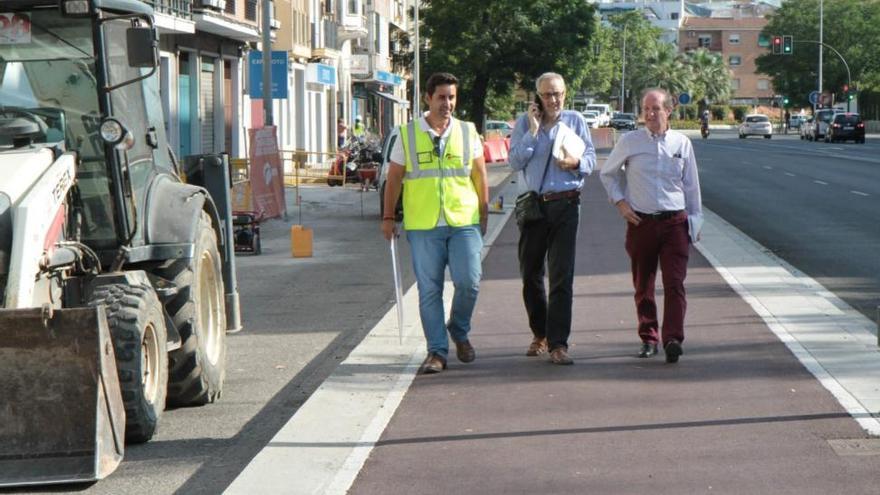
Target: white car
{"points": [[756, 124], [497, 126], [592, 119], [603, 113]]}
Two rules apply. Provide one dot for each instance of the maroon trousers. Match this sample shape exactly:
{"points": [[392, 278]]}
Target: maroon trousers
{"points": [[665, 241]]}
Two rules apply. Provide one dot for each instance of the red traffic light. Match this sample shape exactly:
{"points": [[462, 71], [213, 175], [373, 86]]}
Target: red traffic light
{"points": [[846, 88], [777, 40]]}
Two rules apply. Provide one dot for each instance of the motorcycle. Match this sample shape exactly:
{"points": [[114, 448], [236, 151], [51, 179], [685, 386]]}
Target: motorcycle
{"points": [[357, 161], [704, 130]]}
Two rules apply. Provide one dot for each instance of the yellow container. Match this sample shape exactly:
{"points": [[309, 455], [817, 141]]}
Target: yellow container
{"points": [[300, 241]]}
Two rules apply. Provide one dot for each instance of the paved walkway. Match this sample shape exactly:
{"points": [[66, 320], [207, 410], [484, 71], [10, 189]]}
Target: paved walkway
{"points": [[774, 394]]}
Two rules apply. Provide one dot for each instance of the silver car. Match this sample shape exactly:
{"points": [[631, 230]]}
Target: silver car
{"points": [[806, 130], [756, 125]]}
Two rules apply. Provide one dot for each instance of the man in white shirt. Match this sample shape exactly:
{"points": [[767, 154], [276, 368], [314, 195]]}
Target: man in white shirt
{"points": [[651, 176]]}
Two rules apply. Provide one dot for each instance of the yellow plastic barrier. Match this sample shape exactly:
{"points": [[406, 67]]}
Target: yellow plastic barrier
{"points": [[300, 241]]}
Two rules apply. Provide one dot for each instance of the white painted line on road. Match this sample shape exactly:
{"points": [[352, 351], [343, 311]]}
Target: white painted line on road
{"points": [[790, 174], [833, 341], [860, 193], [820, 182], [768, 167]]}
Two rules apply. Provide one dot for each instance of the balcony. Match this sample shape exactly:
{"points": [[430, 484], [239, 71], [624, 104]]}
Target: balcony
{"points": [[215, 5], [325, 41], [173, 16], [352, 27]]}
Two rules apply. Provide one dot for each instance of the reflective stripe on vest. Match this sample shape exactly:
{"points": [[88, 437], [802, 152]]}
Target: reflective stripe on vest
{"points": [[432, 183]]}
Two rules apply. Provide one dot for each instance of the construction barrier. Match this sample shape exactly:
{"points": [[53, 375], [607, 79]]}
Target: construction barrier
{"points": [[604, 137], [495, 150], [302, 166]]}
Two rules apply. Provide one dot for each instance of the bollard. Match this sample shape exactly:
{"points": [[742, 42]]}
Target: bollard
{"points": [[300, 241]]}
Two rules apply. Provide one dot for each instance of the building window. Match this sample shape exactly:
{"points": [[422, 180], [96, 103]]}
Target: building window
{"points": [[734, 84], [353, 7], [691, 34], [674, 16], [733, 39], [705, 41], [734, 60], [763, 84]]}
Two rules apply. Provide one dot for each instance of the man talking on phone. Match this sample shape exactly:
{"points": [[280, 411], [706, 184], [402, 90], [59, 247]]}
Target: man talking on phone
{"points": [[547, 245]]}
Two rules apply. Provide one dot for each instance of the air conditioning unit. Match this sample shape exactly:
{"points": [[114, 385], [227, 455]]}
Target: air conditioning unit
{"points": [[275, 24], [213, 4]]}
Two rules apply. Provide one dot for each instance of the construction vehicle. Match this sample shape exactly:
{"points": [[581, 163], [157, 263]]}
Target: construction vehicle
{"points": [[117, 277]]}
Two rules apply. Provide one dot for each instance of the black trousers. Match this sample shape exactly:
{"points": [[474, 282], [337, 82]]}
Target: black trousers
{"points": [[547, 246]]}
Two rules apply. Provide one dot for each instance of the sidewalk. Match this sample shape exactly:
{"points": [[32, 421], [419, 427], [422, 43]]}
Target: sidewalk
{"points": [[738, 414]]}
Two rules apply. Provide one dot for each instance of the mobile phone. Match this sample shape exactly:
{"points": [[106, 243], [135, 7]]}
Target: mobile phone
{"points": [[539, 103]]}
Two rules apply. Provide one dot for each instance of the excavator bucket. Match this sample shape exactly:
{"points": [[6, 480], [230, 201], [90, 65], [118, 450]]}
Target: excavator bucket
{"points": [[61, 413]]}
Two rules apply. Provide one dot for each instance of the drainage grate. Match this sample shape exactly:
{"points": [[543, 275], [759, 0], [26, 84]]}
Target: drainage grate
{"points": [[857, 446]]}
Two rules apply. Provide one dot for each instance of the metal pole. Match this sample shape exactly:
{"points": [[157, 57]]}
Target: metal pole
{"points": [[821, 21], [623, 72], [417, 112], [267, 63]]}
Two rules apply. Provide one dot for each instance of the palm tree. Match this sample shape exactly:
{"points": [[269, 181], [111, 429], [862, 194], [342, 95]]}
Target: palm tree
{"points": [[711, 78]]}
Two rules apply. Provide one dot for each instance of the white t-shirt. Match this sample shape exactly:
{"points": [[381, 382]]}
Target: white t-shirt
{"points": [[398, 157]]}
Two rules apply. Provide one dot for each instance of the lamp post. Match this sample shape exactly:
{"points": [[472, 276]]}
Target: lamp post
{"points": [[821, 21], [416, 113], [623, 71], [267, 63]]}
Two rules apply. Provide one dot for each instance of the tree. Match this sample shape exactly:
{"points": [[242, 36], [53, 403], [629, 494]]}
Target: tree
{"points": [[710, 80], [491, 46], [642, 40], [850, 27]]}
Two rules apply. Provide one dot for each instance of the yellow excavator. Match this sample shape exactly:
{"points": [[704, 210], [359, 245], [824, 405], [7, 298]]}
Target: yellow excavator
{"points": [[117, 277]]}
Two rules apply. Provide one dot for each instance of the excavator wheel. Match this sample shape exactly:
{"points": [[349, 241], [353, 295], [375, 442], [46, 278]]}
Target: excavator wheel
{"points": [[198, 367], [137, 326]]}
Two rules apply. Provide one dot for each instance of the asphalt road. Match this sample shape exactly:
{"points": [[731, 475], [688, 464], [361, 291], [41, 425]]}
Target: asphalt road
{"points": [[815, 205]]}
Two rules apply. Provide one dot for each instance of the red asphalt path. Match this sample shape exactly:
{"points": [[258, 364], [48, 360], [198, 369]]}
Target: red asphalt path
{"points": [[738, 414]]}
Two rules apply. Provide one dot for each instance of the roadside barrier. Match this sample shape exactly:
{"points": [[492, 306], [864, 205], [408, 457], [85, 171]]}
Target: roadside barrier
{"points": [[495, 150], [301, 166], [603, 137]]}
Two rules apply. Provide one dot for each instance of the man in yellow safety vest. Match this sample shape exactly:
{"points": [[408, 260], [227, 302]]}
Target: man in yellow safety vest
{"points": [[445, 208]]}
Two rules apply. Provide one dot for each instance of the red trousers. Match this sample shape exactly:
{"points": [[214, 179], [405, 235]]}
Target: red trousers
{"points": [[665, 241]]}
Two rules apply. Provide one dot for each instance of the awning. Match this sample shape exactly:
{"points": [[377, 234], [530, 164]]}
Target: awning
{"points": [[391, 97]]}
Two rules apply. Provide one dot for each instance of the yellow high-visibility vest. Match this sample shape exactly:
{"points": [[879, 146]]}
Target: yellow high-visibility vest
{"points": [[432, 183]]}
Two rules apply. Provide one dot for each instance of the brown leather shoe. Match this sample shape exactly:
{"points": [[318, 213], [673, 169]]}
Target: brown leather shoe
{"points": [[434, 363], [560, 356], [465, 351], [537, 347]]}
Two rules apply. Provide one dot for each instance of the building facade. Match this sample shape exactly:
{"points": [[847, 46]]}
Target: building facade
{"points": [[739, 43]]}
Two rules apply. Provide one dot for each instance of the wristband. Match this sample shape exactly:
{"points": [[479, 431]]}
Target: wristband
{"points": [[387, 218]]}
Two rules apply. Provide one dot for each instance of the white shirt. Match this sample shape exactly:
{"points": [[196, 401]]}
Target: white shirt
{"points": [[654, 173]]}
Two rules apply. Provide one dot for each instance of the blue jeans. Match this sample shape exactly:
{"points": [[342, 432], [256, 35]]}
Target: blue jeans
{"points": [[433, 250]]}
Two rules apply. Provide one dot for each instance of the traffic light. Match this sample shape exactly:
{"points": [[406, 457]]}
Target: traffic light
{"points": [[785, 101], [851, 94], [777, 45], [787, 41]]}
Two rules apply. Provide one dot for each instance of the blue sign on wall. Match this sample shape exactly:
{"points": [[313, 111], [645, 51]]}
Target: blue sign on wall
{"points": [[279, 74], [388, 78]]}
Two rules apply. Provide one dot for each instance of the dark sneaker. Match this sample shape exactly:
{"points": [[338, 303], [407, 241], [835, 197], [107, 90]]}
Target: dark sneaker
{"points": [[647, 350], [673, 351], [465, 351]]}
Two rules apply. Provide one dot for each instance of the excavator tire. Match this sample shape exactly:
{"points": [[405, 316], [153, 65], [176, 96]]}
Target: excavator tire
{"points": [[198, 367], [137, 326]]}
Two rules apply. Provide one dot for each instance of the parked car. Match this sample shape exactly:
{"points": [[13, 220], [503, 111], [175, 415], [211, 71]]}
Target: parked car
{"points": [[497, 126], [387, 146], [592, 119], [806, 129], [625, 121], [846, 126], [603, 113], [756, 124], [821, 122]]}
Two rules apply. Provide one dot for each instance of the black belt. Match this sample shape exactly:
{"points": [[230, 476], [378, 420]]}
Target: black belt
{"points": [[660, 215], [553, 196]]}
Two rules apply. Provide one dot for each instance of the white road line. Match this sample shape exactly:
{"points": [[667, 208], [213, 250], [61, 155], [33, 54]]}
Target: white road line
{"points": [[820, 182], [768, 167], [860, 193], [790, 174]]}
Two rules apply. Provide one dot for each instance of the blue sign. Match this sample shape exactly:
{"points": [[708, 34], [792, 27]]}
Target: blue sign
{"points": [[388, 78], [279, 74], [814, 97], [684, 98], [327, 74]]}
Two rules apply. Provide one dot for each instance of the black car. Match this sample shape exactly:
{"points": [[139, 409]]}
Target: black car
{"points": [[846, 126], [625, 121]]}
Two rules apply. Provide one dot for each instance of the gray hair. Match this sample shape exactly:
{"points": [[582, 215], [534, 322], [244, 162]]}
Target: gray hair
{"points": [[547, 76], [668, 103]]}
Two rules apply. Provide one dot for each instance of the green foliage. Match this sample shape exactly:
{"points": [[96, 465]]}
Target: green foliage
{"points": [[719, 112], [490, 46], [852, 28], [500, 106], [740, 111], [687, 112]]}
